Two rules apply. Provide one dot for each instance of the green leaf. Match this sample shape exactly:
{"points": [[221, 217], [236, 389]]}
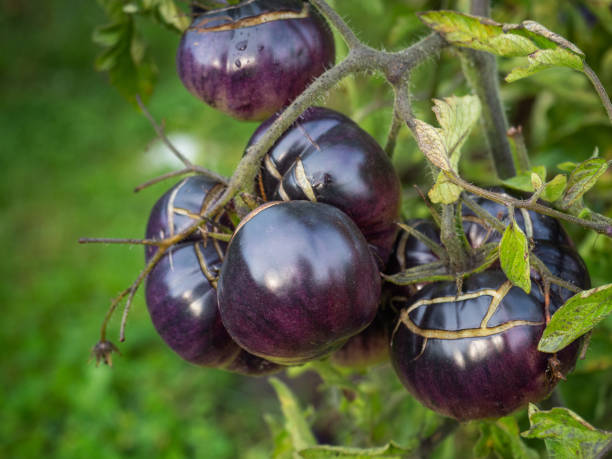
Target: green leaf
{"points": [[582, 179], [536, 181], [129, 67], [477, 33], [444, 191], [514, 257], [390, 450], [502, 437], [113, 9], [542, 48], [554, 189], [172, 15], [578, 315], [283, 448], [167, 13], [526, 180], [331, 375], [295, 422], [566, 434], [442, 146], [566, 166], [545, 59], [107, 35], [523, 181], [456, 116], [431, 143]]}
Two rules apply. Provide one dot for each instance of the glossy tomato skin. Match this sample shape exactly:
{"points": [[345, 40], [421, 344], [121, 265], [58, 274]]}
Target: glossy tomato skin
{"points": [[181, 291], [369, 347], [251, 59], [326, 157], [182, 304], [467, 359], [298, 280], [179, 207]]}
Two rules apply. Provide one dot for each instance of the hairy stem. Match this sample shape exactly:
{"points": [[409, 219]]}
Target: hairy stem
{"points": [[342, 27], [601, 91], [161, 178], [430, 243], [105, 240], [602, 227], [162, 136], [394, 66], [480, 70], [451, 240], [521, 158], [394, 128], [249, 164]]}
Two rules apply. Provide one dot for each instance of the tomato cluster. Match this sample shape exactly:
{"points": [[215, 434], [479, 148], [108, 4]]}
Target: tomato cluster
{"points": [[300, 278]]}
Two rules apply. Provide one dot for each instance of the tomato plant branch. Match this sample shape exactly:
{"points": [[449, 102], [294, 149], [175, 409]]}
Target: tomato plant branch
{"points": [[341, 26], [480, 70], [163, 177], [451, 241], [430, 243], [394, 128], [496, 224], [548, 276], [521, 158], [601, 91], [103, 240], [602, 227], [361, 58], [162, 136], [163, 246], [246, 170]]}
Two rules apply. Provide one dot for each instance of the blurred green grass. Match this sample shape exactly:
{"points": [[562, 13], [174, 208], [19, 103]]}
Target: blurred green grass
{"points": [[72, 152]]}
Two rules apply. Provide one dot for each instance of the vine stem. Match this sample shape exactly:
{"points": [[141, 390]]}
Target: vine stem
{"points": [[529, 204], [163, 177], [162, 136], [496, 224], [360, 58], [104, 240], [436, 248], [341, 26], [248, 166], [601, 91], [480, 69], [394, 128], [449, 237]]}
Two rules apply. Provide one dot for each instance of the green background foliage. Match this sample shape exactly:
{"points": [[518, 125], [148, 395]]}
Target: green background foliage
{"points": [[72, 152]]}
